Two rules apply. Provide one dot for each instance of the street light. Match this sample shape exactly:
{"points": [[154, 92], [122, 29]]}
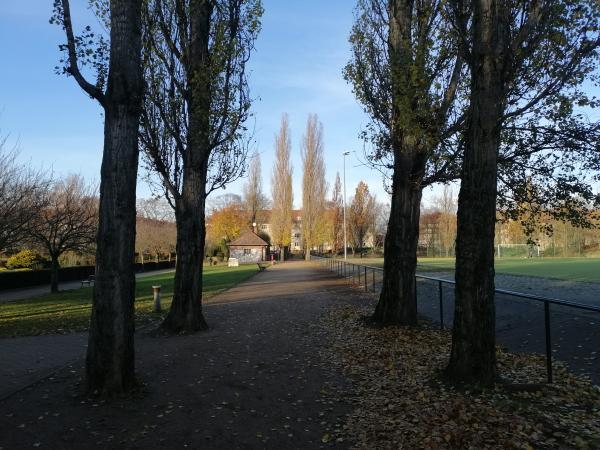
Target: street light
{"points": [[345, 242]]}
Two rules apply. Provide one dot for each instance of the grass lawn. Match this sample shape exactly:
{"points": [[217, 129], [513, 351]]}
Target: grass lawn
{"points": [[571, 269], [69, 311]]}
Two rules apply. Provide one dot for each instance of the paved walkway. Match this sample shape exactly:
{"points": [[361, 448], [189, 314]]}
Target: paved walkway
{"points": [[11, 295], [254, 380]]}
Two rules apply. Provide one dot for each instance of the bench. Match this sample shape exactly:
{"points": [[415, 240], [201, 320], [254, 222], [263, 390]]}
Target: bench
{"points": [[263, 265], [89, 282]]}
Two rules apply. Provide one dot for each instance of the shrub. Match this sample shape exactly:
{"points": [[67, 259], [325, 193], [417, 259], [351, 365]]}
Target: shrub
{"points": [[26, 259]]}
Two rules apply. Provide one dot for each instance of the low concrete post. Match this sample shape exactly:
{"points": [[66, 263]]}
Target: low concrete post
{"points": [[156, 290]]}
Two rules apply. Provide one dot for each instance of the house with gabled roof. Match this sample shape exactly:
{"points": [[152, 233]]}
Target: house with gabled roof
{"points": [[249, 248]]}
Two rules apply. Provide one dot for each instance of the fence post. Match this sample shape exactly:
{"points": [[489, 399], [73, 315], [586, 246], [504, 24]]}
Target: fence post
{"points": [[548, 341], [358, 267], [374, 280], [441, 306], [366, 284], [416, 296]]}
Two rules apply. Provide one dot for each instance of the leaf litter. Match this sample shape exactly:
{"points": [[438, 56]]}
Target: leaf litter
{"points": [[400, 399]]}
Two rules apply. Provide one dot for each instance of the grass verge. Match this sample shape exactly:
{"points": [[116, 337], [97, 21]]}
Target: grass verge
{"points": [[69, 311], [400, 401]]}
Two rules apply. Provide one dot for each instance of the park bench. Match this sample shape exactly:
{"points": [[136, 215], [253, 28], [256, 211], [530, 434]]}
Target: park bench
{"points": [[89, 281], [263, 265]]}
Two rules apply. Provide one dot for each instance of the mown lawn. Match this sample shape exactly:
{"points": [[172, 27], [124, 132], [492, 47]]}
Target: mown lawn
{"points": [[571, 269], [69, 311]]}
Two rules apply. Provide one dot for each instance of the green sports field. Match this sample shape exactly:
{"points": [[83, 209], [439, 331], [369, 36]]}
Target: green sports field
{"points": [[572, 269]]}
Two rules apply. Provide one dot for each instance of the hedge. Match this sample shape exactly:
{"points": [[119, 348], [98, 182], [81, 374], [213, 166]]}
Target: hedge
{"points": [[30, 278]]}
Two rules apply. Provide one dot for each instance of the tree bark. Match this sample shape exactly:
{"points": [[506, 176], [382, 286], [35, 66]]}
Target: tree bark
{"points": [[185, 315], [110, 354], [397, 303], [473, 356], [54, 268]]}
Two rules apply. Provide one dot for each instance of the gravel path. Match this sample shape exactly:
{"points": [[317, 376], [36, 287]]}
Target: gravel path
{"points": [[254, 380]]}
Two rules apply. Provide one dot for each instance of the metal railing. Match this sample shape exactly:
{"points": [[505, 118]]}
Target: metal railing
{"points": [[366, 275]]}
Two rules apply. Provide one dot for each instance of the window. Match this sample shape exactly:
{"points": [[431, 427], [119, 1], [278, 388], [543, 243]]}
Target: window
{"points": [[247, 251]]}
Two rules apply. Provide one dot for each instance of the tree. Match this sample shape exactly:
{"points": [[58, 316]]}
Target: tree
{"points": [[281, 189], [67, 222], [527, 60], [225, 225], [155, 237], [222, 201], [21, 197], [110, 367], [155, 208], [406, 71], [193, 132], [254, 199], [361, 217], [314, 186], [446, 205], [337, 217]]}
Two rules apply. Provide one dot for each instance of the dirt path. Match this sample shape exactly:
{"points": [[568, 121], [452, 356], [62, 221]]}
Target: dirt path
{"points": [[254, 380]]}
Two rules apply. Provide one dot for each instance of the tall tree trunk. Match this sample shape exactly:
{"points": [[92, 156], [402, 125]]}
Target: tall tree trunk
{"points": [[473, 356], [110, 354], [397, 303], [54, 268], [185, 314]]}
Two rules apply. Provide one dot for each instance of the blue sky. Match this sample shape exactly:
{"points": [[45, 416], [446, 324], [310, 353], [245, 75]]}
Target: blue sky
{"points": [[296, 69]]}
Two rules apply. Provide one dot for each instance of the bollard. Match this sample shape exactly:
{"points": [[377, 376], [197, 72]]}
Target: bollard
{"points": [[156, 290]]}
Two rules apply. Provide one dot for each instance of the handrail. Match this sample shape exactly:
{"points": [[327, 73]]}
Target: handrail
{"points": [[339, 266], [539, 298]]}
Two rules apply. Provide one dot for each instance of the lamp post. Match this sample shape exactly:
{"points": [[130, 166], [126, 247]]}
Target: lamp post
{"points": [[345, 241]]}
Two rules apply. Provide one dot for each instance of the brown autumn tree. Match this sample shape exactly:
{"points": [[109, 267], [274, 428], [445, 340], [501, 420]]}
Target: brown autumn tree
{"points": [[154, 238], [446, 205], [254, 199], [110, 367], [22, 196], [337, 216], [314, 186], [68, 221], [281, 189], [361, 215]]}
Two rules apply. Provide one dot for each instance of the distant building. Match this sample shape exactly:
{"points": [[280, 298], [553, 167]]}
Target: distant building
{"points": [[263, 220], [249, 248]]}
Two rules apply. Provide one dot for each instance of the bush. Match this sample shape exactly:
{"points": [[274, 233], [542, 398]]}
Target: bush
{"points": [[26, 259]]}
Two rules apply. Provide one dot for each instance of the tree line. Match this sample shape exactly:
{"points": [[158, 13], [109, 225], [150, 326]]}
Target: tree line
{"points": [[51, 217]]}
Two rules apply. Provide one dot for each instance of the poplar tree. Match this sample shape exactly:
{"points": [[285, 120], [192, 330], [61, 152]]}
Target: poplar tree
{"points": [[254, 199], [118, 89], [314, 186], [193, 124], [524, 135], [281, 189], [407, 73]]}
